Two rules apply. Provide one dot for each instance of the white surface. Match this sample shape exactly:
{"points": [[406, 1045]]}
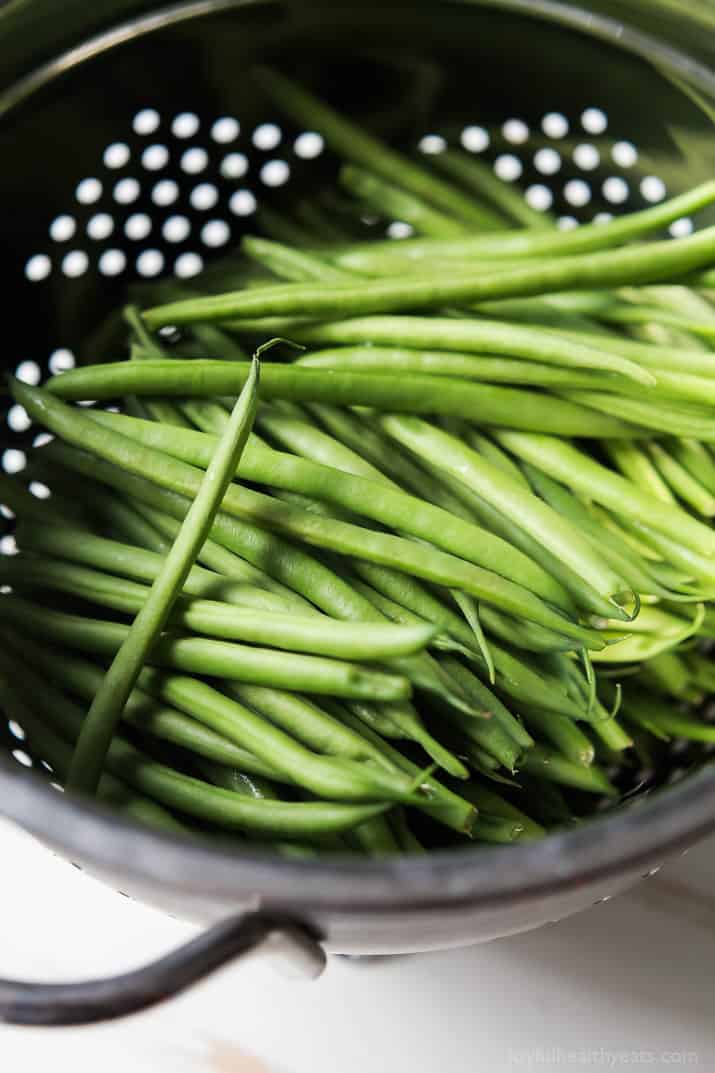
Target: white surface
{"points": [[626, 985]]}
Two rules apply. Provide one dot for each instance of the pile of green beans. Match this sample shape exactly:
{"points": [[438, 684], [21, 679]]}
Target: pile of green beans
{"points": [[443, 571]]}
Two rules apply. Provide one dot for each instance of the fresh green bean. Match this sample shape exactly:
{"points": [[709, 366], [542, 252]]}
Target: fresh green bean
{"points": [[563, 733], [220, 659], [487, 404], [49, 747], [590, 238], [687, 488], [272, 628], [196, 798], [305, 720]]}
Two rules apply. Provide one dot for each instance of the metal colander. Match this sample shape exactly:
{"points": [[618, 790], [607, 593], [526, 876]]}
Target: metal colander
{"points": [[134, 145]]}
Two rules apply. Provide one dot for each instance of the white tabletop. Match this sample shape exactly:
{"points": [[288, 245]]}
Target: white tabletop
{"points": [[627, 984]]}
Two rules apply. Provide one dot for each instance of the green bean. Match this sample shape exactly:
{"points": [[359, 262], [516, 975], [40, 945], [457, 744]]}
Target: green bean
{"points": [[479, 337], [139, 564], [696, 459], [289, 263], [680, 480], [603, 269], [391, 256], [485, 699], [565, 463], [488, 404], [693, 421], [522, 634], [442, 642], [508, 496], [612, 547], [406, 555], [221, 659], [326, 776], [500, 830], [563, 733], [356, 144], [196, 798], [375, 838], [668, 673], [479, 178], [139, 640], [386, 199], [658, 358], [445, 363], [549, 765], [305, 720], [82, 678], [273, 627], [318, 584], [389, 506], [493, 804], [633, 462], [674, 551], [489, 737], [577, 590], [48, 746], [369, 442], [283, 228]]}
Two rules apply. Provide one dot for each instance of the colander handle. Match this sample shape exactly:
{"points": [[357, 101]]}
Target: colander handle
{"points": [[24, 1003]]}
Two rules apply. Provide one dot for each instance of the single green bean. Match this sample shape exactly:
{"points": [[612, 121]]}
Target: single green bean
{"points": [[551, 766], [688, 489], [487, 404]]}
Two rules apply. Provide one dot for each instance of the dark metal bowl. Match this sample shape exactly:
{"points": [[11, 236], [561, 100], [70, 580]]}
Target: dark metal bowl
{"points": [[72, 85]]}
